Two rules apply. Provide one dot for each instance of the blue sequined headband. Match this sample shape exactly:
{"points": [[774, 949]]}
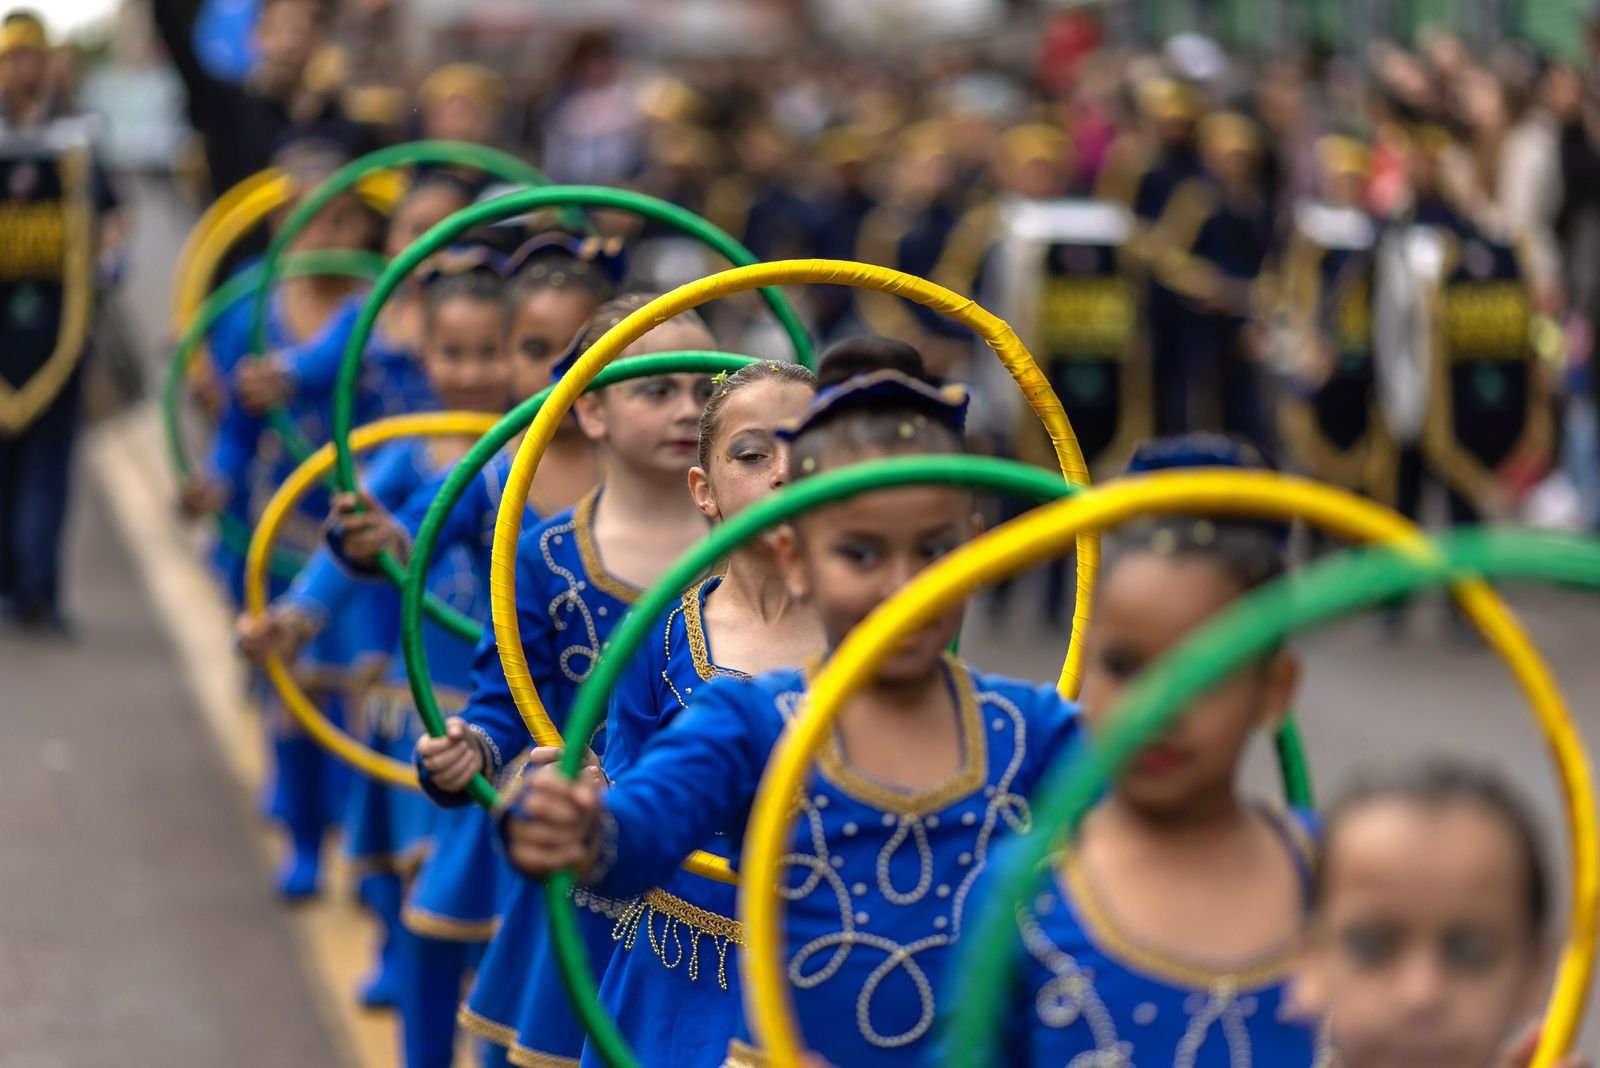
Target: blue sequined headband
{"points": [[459, 259], [1205, 450], [590, 253], [946, 404], [1193, 450]]}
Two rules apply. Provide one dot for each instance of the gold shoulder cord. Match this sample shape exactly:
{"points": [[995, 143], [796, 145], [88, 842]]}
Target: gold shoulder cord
{"points": [[878, 242], [19, 407], [1171, 242]]}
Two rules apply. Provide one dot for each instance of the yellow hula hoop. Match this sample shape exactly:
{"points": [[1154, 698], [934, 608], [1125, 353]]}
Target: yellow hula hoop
{"points": [[994, 331], [198, 258], [426, 424], [1047, 532], [237, 212]]}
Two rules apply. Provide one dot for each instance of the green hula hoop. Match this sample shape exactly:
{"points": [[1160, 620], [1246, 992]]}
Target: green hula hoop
{"points": [[1349, 581], [493, 211], [413, 581], [589, 704], [502, 165], [356, 264]]}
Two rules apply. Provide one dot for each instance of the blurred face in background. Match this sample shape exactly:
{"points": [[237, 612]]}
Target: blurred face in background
{"points": [[22, 74], [458, 117], [288, 33]]}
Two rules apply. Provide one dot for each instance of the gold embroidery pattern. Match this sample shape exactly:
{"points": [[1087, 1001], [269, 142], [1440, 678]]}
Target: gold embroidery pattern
{"points": [[694, 627], [680, 916], [680, 919], [910, 824], [974, 770], [583, 520]]}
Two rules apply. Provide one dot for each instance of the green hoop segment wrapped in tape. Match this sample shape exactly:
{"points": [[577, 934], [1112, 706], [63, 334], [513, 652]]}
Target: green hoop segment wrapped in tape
{"points": [[500, 208], [356, 264], [493, 161], [1350, 581], [589, 706]]}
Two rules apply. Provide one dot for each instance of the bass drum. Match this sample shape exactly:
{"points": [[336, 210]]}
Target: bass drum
{"points": [[1406, 272]]}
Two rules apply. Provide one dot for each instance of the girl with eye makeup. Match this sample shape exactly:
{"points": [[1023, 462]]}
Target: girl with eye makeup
{"points": [[577, 573], [1428, 944], [1164, 935], [671, 984], [928, 769]]}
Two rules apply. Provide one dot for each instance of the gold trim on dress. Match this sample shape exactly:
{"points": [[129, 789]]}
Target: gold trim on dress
{"points": [[405, 863], [702, 920], [506, 1038], [971, 777], [432, 925], [1100, 927], [698, 922], [694, 628], [524, 1057], [21, 405], [583, 530], [744, 1055], [485, 1028]]}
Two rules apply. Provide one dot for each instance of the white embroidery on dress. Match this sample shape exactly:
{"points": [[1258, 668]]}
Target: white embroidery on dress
{"points": [[819, 868], [570, 602]]}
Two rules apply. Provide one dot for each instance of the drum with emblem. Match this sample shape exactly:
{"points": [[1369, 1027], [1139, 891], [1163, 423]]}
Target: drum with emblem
{"points": [[1488, 424], [46, 263], [1063, 283]]}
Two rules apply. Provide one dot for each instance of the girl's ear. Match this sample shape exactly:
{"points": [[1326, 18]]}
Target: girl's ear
{"points": [[704, 498], [1307, 994], [1283, 681], [791, 565], [590, 410]]}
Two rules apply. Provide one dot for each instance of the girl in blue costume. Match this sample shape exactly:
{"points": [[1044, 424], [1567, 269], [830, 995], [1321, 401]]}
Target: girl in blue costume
{"points": [[1429, 941], [577, 572], [929, 764], [452, 902], [467, 368], [246, 464], [671, 985], [393, 380], [1164, 935]]}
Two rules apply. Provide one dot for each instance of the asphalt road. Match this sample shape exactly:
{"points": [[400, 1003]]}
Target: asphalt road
{"points": [[137, 927]]}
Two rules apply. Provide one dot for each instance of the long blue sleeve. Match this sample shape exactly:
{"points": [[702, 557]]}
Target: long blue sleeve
{"points": [[696, 778], [492, 713], [314, 365], [325, 586], [234, 447], [634, 714]]}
